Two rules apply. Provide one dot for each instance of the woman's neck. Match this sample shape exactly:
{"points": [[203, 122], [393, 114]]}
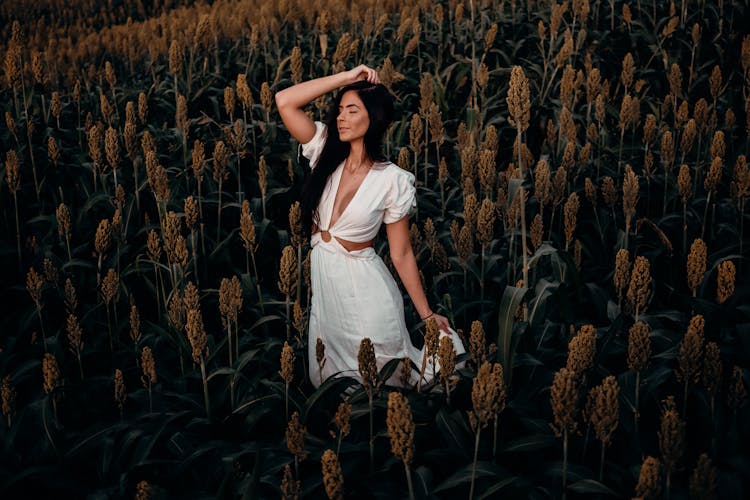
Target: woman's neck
{"points": [[357, 153]]}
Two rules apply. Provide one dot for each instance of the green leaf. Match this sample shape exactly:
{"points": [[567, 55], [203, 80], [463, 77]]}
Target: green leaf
{"points": [[530, 443], [492, 490], [511, 299], [513, 186], [591, 486], [543, 250], [336, 384], [452, 428], [462, 476], [224, 370]]}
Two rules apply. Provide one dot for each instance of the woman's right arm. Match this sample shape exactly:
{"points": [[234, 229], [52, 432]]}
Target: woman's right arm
{"points": [[291, 100]]}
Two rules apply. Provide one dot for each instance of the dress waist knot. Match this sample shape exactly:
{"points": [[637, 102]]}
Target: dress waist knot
{"points": [[357, 250]]}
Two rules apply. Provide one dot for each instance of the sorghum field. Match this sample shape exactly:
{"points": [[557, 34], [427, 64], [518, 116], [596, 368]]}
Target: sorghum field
{"points": [[582, 187]]}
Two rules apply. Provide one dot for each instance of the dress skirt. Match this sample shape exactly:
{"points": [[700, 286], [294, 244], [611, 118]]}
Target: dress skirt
{"points": [[354, 295]]}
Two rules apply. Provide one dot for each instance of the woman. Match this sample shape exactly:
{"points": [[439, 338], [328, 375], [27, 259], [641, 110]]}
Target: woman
{"points": [[351, 190]]}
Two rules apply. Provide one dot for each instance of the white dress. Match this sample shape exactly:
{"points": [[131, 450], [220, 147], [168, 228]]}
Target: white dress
{"points": [[354, 295]]}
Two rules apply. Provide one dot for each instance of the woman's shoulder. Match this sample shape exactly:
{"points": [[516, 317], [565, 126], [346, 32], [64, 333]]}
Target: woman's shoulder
{"points": [[391, 172], [398, 173]]}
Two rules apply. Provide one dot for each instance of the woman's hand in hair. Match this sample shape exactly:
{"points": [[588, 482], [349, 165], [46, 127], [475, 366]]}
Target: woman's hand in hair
{"points": [[363, 72]]}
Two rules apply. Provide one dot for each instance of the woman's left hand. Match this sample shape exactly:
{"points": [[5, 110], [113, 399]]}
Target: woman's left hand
{"points": [[442, 322]]}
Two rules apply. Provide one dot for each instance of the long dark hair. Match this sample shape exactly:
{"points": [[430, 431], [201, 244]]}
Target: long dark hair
{"points": [[379, 105]]}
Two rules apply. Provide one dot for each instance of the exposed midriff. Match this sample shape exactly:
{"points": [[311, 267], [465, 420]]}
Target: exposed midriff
{"points": [[350, 246]]}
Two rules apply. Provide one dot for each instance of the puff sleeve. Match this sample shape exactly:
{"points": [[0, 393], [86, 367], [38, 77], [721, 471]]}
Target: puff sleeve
{"points": [[402, 197], [314, 148]]}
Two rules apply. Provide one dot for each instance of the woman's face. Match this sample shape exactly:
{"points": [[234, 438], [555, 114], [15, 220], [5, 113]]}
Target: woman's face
{"points": [[353, 119]]}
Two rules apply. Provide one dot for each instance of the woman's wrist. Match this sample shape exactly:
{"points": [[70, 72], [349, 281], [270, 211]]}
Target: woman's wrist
{"points": [[427, 315]]}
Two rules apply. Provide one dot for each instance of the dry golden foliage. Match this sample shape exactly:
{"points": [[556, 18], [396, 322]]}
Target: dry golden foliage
{"points": [[558, 185], [486, 222], [691, 351], [487, 170], [688, 136], [471, 210], [564, 399], [609, 194], [51, 273], [333, 477], [696, 263], [176, 311], [243, 92], [431, 337], [571, 215], [103, 237], [148, 365], [153, 246], [295, 437], [711, 369], [703, 480], [671, 436], [71, 301], [287, 363], [135, 324], [649, 479], [120, 392], [725, 281], [684, 183], [142, 107], [368, 368], [447, 360], [342, 417], [247, 227], [8, 398], [535, 231], [715, 81], [75, 334], [581, 350], [714, 174], [176, 54], [542, 184], [639, 346], [519, 104], [403, 158], [477, 342], [605, 414], [230, 300], [110, 286], [290, 489], [629, 194], [388, 75], [487, 395], [736, 393], [266, 97], [196, 334], [400, 426], [295, 226], [198, 160], [415, 133], [34, 284], [628, 70], [288, 271], [191, 297], [640, 285], [667, 149], [50, 372]]}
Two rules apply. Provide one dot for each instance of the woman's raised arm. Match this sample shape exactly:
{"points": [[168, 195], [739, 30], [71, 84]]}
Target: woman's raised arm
{"points": [[291, 100]]}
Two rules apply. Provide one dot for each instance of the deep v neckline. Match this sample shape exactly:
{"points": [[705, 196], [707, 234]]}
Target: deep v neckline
{"points": [[336, 191]]}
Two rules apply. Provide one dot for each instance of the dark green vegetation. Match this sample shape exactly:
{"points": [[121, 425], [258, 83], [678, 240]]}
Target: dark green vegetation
{"points": [[82, 418]]}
